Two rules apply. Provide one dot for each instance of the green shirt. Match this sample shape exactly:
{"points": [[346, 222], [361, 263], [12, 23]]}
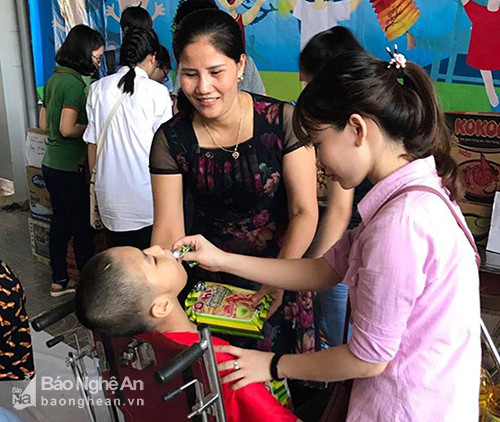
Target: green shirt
{"points": [[64, 89]]}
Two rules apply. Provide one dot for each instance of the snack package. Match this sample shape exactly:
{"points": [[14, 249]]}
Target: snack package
{"points": [[281, 392], [227, 309]]}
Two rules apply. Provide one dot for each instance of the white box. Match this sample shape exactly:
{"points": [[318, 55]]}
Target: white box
{"points": [[35, 147]]}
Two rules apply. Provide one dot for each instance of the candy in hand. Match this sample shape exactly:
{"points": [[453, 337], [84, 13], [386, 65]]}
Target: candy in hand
{"points": [[180, 251]]}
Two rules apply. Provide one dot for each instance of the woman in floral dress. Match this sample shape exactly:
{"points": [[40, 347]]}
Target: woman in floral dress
{"points": [[251, 181]]}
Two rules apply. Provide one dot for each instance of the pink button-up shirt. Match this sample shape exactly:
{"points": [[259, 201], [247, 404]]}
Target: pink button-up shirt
{"points": [[414, 291]]}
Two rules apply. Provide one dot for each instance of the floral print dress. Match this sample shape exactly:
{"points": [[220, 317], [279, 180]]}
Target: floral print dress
{"points": [[240, 204]]}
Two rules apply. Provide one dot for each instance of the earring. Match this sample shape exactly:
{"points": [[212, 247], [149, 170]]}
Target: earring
{"points": [[240, 78]]}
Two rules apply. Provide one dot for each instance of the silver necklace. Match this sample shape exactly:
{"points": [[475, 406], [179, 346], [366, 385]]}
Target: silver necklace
{"points": [[234, 152]]}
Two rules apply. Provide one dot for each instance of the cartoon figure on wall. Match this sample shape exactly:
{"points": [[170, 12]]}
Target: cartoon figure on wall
{"points": [[72, 13], [243, 19], [318, 15], [123, 4], [69, 13], [485, 38]]}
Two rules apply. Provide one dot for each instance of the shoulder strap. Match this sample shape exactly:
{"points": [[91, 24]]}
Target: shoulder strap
{"points": [[112, 113], [459, 221], [104, 131]]}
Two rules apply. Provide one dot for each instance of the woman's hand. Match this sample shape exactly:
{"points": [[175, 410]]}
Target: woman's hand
{"points": [[204, 253], [254, 366], [274, 292]]}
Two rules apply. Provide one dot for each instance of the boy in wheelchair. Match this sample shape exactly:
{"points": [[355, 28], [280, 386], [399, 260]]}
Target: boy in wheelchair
{"points": [[124, 291]]}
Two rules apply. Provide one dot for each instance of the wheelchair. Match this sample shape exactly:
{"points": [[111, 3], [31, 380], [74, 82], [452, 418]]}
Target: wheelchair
{"points": [[178, 383]]}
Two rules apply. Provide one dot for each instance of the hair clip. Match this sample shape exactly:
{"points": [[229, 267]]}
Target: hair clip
{"points": [[397, 59]]}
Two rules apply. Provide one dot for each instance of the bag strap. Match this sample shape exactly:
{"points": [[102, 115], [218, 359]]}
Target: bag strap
{"points": [[455, 215], [459, 221], [346, 321], [104, 131]]}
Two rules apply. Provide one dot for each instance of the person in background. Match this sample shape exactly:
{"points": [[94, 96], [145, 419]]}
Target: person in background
{"points": [[123, 184], [131, 17], [163, 68], [411, 265], [250, 80], [341, 213], [64, 119], [16, 352], [252, 183]]}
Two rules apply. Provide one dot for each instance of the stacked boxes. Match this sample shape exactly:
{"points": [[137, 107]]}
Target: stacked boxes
{"points": [[40, 205], [39, 197], [39, 236], [477, 152]]}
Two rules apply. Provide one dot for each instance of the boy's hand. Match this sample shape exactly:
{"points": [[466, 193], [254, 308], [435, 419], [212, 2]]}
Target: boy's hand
{"points": [[204, 253]]}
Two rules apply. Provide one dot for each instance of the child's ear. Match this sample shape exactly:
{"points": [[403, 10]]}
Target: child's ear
{"points": [[161, 307]]}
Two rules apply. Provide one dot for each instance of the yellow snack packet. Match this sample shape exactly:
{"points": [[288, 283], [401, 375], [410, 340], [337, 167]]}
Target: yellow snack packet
{"points": [[227, 309]]}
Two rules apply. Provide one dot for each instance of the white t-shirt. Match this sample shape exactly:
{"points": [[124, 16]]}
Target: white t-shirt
{"points": [[123, 184], [314, 21]]}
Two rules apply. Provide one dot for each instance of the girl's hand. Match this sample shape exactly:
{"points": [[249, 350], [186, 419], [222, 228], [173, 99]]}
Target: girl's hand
{"points": [[254, 366], [275, 293], [204, 253]]}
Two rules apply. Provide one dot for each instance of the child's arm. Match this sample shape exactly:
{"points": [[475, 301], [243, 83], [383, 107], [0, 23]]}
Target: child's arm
{"points": [[335, 219], [291, 274], [249, 17]]}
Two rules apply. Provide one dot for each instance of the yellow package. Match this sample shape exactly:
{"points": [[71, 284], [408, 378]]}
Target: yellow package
{"points": [[227, 309]]}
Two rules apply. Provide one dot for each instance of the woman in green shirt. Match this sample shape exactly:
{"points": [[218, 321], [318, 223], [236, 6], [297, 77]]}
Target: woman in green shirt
{"points": [[64, 119]]}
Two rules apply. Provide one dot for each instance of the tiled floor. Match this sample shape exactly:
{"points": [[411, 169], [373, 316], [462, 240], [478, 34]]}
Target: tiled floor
{"points": [[35, 277]]}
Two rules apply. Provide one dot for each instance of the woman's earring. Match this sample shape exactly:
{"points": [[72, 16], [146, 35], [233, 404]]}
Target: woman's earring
{"points": [[240, 78]]}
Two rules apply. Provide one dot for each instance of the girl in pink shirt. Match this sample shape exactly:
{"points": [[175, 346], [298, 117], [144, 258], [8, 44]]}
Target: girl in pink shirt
{"points": [[414, 353]]}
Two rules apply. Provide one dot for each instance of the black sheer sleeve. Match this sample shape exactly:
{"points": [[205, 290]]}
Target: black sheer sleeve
{"points": [[160, 158], [290, 143]]}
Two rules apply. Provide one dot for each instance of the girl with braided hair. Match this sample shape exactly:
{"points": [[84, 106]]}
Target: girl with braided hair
{"points": [[138, 106]]}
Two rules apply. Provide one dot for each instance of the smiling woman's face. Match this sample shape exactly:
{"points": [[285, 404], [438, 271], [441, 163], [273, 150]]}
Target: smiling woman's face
{"points": [[209, 79]]}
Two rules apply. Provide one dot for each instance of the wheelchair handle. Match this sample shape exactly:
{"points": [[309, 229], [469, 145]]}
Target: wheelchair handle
{"points": [[52, 316], [53, 341], [180, 363]]}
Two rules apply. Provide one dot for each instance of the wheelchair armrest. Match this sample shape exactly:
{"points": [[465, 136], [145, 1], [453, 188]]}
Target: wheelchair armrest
{"points": [[180, 363], [52, 316]]}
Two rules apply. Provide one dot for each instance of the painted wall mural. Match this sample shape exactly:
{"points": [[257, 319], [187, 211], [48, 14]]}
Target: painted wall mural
{"points": [[454, 40]]}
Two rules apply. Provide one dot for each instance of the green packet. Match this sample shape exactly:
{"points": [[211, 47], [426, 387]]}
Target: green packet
{"points": [[281, 392], [227, 309]]}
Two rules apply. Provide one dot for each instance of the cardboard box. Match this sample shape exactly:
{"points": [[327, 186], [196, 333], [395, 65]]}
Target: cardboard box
{"points": [[35, 147], [477, 151], [39, 237], [478, 218], [39, 197]]}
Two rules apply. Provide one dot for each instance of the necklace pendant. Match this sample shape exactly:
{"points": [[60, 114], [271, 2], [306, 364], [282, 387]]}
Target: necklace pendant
{"points": [[235, 154]]}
